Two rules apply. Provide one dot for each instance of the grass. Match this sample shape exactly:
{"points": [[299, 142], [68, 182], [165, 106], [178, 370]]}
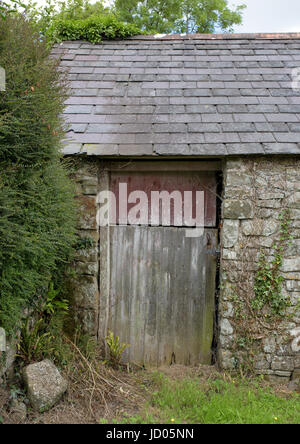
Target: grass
{"points": [[217, 401]]}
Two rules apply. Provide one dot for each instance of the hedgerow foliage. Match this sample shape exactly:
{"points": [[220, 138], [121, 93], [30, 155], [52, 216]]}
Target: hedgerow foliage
{"points": [[93, 29], [37, 215]]}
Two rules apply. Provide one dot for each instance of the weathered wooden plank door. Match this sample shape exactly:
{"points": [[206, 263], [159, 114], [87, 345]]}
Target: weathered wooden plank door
{"points": [[157, 285]]}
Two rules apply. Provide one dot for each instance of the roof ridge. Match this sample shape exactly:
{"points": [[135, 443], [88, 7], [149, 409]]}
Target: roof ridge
{"points": [[225, 36]]}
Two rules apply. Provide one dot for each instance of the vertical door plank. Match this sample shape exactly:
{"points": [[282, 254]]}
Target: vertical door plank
{"points": [[162, 292]]}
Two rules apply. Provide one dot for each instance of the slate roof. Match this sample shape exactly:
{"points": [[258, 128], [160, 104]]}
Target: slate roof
{"points": [[196, 95]]}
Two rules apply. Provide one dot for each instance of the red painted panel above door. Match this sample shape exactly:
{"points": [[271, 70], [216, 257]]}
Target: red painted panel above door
{"points": [[170, 182]]}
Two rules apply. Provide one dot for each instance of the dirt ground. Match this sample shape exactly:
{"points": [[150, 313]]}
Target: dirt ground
{"points": [[89, 402]]}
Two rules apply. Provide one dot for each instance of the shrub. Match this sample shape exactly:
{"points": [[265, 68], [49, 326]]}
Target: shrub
{"points": [[37, 214], [93, 29]]}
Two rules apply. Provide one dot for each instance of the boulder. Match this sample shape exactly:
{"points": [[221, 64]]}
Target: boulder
{"points": [[45, 385]]}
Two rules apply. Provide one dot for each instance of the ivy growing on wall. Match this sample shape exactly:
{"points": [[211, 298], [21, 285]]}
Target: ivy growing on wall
{"points": [[268, 280]]}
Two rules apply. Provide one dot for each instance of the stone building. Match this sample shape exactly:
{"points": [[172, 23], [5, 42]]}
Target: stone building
{"points": [[217, 113]]}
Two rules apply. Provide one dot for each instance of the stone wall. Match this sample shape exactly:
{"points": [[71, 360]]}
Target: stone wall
{"points": [[2, 79], [84, 285], [256, 192]]}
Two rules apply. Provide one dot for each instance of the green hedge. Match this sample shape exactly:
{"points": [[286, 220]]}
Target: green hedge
{"points": [[94, 29], [37, 214]]}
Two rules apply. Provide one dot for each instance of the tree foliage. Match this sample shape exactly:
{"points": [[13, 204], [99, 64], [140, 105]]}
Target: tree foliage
{"points": [[78, 20], [8, 6], [64, 10], [37, 215], [188, 16], [150, 16]]}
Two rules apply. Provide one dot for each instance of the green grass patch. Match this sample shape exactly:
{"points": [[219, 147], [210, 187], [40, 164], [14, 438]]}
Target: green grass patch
{"points": [[191, 401]]}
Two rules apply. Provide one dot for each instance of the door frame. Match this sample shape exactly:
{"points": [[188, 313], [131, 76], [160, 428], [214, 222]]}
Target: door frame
{"points": [[136, 166]]}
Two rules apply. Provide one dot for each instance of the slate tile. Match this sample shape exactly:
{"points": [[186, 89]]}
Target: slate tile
{"points": [[207, 149], [237, 127], [217, 100], [78, 109], [78, 127], [197, 92], [225, 92], [174, 149], [256, 137], [169, 93], [249, 117], [165, 109], [294, 127], [256, 92], [287, 137], [203, 128], [222, 138], [170, 128], [232, 109], [98, 149], [201, 109], [289, 108], [217, 118], [284, 117], [244, 148], [244, 100], [262, 108], [142, 149], [281, 148]]}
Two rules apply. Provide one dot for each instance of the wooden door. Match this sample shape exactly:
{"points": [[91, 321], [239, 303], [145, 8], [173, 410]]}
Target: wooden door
{"points": [[157, 285]]}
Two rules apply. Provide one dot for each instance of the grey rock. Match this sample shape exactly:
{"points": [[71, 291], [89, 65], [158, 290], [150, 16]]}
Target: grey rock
{"points": [[284, 380], [283, 363], [259, 227], [291, 265], [7, 362], [45, 385], [238, 209], [261, 362], [230, 233], [2, 340], [269, 345], [84, 290], [294, 386], [225, 327], [238, 178], [2, 79], [296, 375], [226, 342], [227, 360], [229, 254]]}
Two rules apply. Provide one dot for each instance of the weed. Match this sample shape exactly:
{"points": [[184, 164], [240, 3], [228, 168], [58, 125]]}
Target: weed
{"points": [[115, 348]]}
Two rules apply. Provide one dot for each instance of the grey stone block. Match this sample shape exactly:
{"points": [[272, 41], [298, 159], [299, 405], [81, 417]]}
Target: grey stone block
{"points": [[45, 385], [230, 233], [2, 79], [283, 363], [238, 209], [2, 340]]}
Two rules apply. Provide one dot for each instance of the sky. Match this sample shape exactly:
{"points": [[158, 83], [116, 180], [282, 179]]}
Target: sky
{"points": [[264, 15], [269, 16]]}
